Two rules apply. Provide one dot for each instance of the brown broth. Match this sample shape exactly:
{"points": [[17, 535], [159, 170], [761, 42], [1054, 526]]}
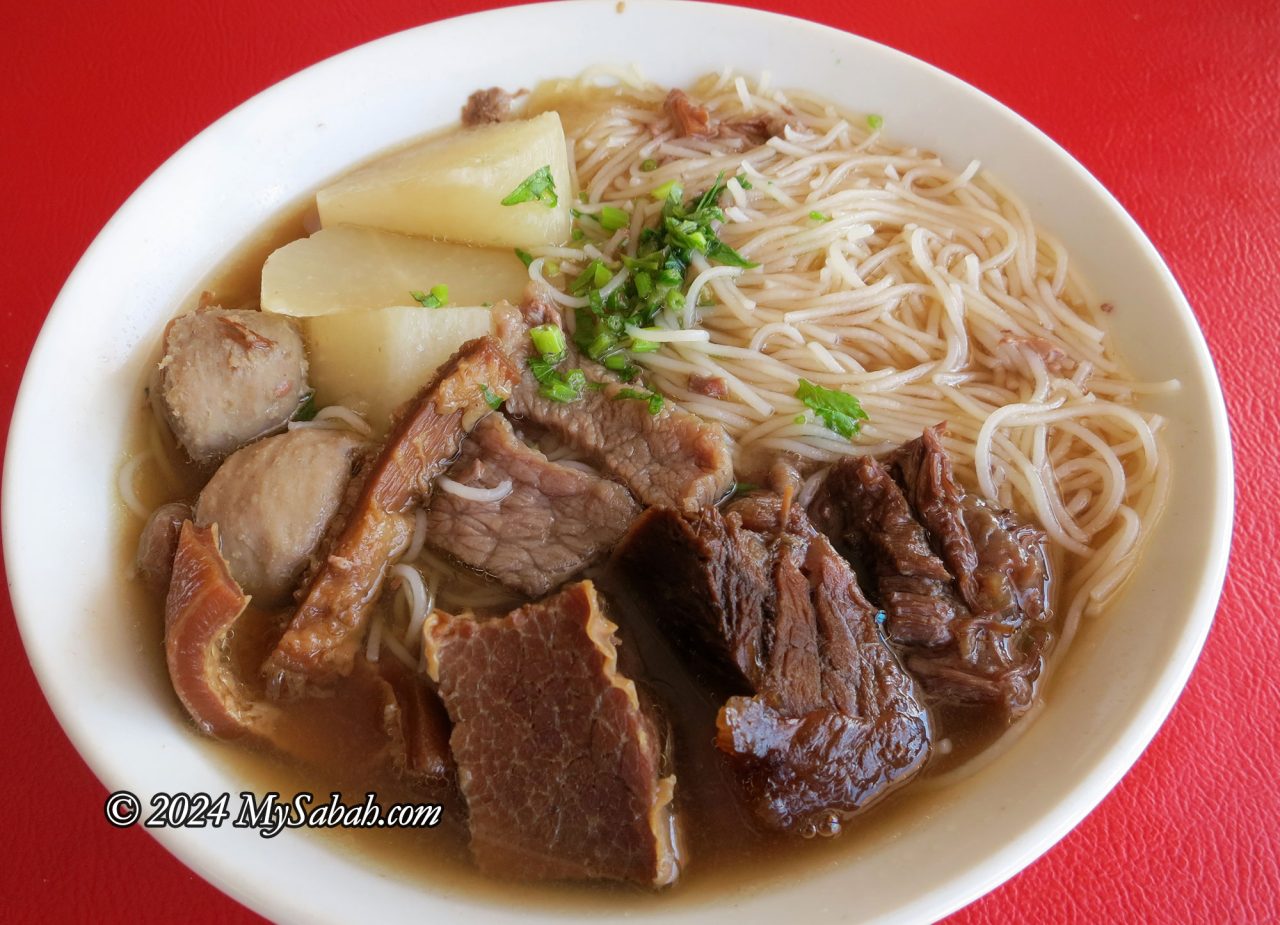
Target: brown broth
{"points": [[339, 737]]}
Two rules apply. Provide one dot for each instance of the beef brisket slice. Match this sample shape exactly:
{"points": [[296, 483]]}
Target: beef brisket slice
{"points": [[559, 765], [829, 721], [671, 458], [555, 521]]}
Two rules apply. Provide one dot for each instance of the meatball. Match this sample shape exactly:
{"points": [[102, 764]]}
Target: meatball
{"points": [[272, 501], [228, 377]]}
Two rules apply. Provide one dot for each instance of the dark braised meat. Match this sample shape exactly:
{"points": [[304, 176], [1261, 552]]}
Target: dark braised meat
{"points": [[416, 725], [560, 767], [486, 106], [827, 721], [228, 377], [153, 562], [555, 521], [963, 584], [862, 509], [326, 631], [671, 458]]}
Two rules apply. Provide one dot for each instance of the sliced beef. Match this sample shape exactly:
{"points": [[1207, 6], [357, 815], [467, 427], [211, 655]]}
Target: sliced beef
{"points": [[327, 629], [153, 562], [964, 585], [671, 458], [560, 766], [201, 611], [272, 501], [228, 377], [826, 721], [554, 522], [486, 106]]}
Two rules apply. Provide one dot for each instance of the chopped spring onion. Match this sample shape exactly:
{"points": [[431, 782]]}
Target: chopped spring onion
{"points": [[438, 296], [539, 186], [653, 398], [648, 164], [613, 218], [548, 339], [874, 122]]}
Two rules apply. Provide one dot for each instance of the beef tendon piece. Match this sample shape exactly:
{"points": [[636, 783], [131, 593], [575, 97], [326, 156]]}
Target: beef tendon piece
{"points": [[553, 522], [326, 631], [202, 608], [670, 458], [228, 377], [827, 721], [964, 584], [560, 766]]}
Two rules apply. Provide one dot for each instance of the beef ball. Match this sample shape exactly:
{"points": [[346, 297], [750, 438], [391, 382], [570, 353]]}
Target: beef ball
{"points": [[228, 377], [272, 501]]}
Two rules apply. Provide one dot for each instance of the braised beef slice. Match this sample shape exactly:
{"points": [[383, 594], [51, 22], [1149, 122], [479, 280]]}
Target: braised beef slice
{"points": [[560, 766], [671, 458], [325, 633], [555, 521], [827, 721], [964, 585]]}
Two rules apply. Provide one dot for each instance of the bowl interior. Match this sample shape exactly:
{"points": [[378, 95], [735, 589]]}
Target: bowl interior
{"points": [[60, 507]]}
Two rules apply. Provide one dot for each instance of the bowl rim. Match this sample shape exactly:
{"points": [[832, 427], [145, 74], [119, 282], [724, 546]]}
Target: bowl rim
{"points": [[977, 880]]}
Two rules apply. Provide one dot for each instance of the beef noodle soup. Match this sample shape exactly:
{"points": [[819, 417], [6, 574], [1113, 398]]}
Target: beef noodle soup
{"points": [[669, 484]]}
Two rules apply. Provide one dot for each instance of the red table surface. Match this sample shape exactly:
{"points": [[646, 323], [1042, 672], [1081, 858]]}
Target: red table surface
{"points": [[1175, 107]]}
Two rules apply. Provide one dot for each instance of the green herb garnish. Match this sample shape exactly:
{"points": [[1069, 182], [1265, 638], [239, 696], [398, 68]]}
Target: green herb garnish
{"points": [[539, 185], [653, 398], [743, 181], [648, 164], [874, 122], [438, 296], [744, 488], [308, 409], [491, 398], [819, 217], [525, 257], [839, 411]]}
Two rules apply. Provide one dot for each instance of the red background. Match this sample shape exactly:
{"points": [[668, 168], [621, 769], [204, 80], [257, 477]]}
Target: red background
{"points": [[1175, 107]]}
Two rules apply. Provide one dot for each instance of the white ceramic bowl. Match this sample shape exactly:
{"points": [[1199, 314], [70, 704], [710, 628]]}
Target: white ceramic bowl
{"points": [[60, 508]]}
